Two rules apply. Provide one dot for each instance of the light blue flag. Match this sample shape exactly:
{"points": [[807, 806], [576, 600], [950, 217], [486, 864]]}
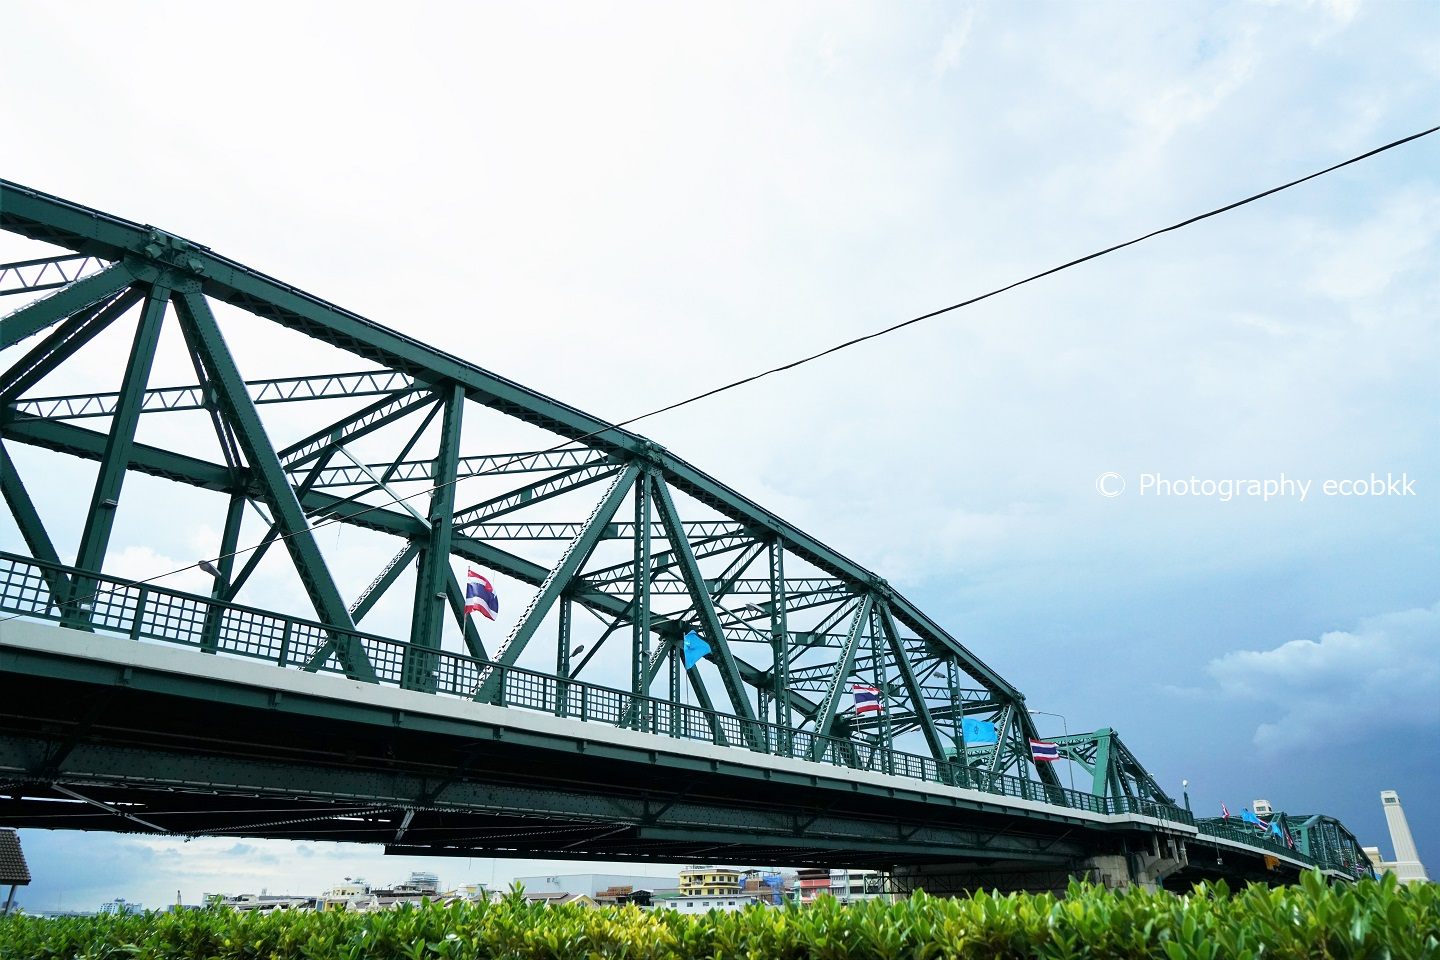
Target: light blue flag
{"points": [[693, 649], [1249, 817], [1276, 829], [978, 731]]}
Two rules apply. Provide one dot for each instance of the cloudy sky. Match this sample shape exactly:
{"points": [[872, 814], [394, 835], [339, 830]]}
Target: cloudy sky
{"points": [[623, 205]]}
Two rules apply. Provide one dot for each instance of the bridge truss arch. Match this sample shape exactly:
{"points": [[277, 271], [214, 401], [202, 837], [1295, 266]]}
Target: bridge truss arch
{"points": [[621, 546], [255, 419]]}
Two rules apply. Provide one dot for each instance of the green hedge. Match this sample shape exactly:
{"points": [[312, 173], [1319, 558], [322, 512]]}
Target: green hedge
{"points": [[1370, 919]]}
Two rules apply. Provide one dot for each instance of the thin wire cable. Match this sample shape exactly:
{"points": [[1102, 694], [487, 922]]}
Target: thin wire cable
{"points": [[793, 363]]}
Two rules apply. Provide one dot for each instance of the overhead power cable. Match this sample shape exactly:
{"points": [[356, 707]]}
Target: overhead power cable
{"points": [[836, 348]]}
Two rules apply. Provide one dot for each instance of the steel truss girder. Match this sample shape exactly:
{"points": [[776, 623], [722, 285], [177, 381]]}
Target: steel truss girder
{"points": [[148, 256], [566, 482], [81, 406], [752, 586], [1114, 770], [64, 303], [31, 213], [48, 273], [491, 465], [615, 530], [101, 769]]}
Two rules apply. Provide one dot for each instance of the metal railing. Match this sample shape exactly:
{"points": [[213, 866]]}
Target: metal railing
{"points": [[99, 602]]}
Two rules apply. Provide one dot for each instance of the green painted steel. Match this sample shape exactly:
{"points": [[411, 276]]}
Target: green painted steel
{"points": [[434, 579], [780, 644], [62, 343], [825, 720], [31, 213], [208, 344], [700, 594], [63, 303], [556, 582], [81, 406], [105, 500]]}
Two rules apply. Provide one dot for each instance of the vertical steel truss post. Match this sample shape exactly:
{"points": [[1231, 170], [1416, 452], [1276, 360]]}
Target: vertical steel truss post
{"points": [[206, 341], [105, 500], [640, 620], [434, 577], [562, 658], [673, 656], [229, 540], [780, 648], [957, 718], [877, 675]]}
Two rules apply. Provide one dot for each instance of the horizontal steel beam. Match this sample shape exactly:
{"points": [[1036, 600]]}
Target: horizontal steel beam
{"points": [[30, 276], [489, 464], [619, 530], [165, 399]]}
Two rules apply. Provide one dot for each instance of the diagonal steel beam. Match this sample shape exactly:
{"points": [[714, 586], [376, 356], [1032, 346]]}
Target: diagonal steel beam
{"points": [[62, 343], [388, 574], [63, 303], [105, 498], [366, 420], [555, 583], [918, 706], [535, 493], [825, 718], [206, 340], [700, 593], [32, 529]]}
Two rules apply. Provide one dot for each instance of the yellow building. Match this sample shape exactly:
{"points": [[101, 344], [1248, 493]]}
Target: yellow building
{"points": [[700, 881]]}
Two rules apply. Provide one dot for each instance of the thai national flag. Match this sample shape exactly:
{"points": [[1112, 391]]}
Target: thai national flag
{"points": [[1224, 811], [1042, 752], [480, 596], [867, 699]]}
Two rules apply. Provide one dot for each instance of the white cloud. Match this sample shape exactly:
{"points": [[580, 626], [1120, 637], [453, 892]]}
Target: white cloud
{"points": [[952, 45], [1382, 679]]}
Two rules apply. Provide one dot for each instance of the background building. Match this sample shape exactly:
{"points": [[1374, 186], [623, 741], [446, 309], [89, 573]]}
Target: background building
{"points": [[697, 881], [1406, 866], [591, 884]]}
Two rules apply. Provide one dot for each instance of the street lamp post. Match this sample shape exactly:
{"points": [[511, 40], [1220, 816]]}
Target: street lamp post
{"points": [[1185, 786], [1064, 725]]}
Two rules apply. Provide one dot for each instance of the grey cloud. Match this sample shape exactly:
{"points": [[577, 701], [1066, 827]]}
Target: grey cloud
{"points": [[1344, 687]]}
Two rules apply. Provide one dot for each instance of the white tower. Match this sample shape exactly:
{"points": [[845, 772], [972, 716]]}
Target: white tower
{"points": [[1406, 866]]}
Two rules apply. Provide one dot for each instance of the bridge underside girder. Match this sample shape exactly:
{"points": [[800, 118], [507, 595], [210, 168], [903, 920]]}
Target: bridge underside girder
{"points": [[86, 746]]}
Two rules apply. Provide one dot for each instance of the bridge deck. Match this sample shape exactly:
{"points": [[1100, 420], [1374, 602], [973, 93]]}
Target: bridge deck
{"points": [[307, 755]]}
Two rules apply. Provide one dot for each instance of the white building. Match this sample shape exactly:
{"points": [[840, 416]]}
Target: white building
{"points": [[704, 903], [1406, 866]]}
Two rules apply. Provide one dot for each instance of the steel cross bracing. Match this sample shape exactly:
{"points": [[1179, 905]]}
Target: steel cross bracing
{"points": [[792, 624]]}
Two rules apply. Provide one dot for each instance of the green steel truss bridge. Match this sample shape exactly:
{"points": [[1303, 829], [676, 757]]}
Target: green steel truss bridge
{"points": [[328, 684]]}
